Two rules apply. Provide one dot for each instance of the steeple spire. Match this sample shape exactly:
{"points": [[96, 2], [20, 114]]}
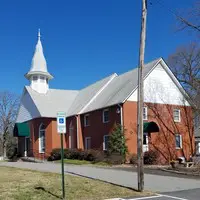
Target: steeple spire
{"points": [[39, 34], [38, 66]]}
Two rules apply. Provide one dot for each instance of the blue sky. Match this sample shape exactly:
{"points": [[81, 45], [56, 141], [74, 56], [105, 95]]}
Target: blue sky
{"points": [[83, 41]]}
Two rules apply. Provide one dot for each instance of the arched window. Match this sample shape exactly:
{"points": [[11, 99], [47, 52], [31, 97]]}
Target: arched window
{"points": [[42, 138]]}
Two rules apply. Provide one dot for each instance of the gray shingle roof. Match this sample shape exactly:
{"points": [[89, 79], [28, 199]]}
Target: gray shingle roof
{"points": [[120, 88], [86, 94], [52, 102], [106, 92]]}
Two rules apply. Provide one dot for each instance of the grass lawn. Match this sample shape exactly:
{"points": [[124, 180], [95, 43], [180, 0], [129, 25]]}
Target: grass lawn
{"points": [[18, 184], [83, 162]]}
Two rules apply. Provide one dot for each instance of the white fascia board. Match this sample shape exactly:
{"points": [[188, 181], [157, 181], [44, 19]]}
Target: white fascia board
{"points": [[20, 102], [95, 96], [143, 80], [175, 80], [35, 103]]}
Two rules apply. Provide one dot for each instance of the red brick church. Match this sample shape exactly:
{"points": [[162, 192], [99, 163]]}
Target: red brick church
{"points": [[92, 112]]}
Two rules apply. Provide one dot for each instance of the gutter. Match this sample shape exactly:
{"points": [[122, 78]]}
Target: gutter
{"points": [[77, 128]]}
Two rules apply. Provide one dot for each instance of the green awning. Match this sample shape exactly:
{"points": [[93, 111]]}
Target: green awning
{"points": [[150, 127], [22, 130]]}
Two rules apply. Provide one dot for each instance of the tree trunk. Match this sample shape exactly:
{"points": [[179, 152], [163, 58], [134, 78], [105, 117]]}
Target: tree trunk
{"points": [[4, 146]]}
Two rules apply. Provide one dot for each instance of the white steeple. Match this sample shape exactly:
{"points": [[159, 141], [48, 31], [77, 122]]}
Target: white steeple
{"points": [[38, 75]]}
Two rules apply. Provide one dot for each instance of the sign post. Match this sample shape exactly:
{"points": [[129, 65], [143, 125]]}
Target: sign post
{"points": [[61, 128]]}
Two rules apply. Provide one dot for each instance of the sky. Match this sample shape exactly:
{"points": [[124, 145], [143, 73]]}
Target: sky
{"points": [[83, 40]]}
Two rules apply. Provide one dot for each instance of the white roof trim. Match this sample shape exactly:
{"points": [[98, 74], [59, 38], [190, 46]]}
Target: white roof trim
{"points": [[175, 80], [143, 79], [95, 96], [20, 103], [171, 75]]}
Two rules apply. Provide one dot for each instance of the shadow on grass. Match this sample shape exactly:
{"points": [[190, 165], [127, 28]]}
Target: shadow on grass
{"points": [[97, 179], [43, 189]]}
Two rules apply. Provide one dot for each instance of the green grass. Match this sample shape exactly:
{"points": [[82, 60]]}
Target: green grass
{"points": [[83, 162], [18, 184]]}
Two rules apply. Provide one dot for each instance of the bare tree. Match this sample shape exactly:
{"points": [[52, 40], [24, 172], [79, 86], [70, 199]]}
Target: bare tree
{"points": [[162, 113], [164, 142], [185, 64], [9, 104], [190, 19]]}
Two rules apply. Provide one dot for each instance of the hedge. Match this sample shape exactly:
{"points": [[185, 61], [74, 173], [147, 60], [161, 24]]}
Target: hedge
{"points": [[150, 157], [88, 155]]}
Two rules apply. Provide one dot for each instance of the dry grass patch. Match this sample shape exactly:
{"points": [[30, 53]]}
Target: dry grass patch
{"points": [[18, 184]]}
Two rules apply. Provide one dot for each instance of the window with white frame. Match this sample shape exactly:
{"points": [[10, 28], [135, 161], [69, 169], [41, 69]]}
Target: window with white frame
{"points": [[197, 146], [42, 138], [145, 113], [88, 143], [145, 142], [71, 135], [105, 142], [42, 79], [177, 115], [35, 78], [86, 120], [178, 140], [105, 116]]}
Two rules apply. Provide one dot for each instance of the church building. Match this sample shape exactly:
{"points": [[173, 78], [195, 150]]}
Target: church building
{"points": [[92, 112]]}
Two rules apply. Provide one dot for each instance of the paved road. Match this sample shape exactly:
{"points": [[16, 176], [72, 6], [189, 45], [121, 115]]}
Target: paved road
{"points": [[193, 194], [158, 172], [154, 183]]}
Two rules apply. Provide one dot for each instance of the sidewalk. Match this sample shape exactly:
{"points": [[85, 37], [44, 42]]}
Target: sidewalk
{"points": [[155, 183]]}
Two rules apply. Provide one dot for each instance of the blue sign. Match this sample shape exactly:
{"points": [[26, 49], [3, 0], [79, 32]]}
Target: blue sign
{"points": [[61, 122]]}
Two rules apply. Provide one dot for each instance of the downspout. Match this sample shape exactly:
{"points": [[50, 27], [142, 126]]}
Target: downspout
{"points": [[77, 127], [121, 115]]}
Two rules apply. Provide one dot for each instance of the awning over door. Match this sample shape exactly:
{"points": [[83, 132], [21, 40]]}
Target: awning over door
{"points": [[22, 130], [150, 127]]}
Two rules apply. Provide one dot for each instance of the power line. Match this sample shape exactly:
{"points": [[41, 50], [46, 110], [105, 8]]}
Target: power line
{"points": [[186, 22]]}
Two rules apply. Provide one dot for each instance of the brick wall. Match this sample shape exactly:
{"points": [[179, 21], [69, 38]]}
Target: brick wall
{"points": [[97, 129], [164, 140]]}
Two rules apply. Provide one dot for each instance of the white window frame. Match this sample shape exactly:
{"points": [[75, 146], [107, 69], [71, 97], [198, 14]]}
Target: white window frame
{"points": [[145, 111], [105, 110], [179, 115], [181, 143], [71, 136], [25, 146], [42, 79], [40, 130], [86, 142], [146, 146], [35, 78], [104, 145], [85, 124], [197, 147]]}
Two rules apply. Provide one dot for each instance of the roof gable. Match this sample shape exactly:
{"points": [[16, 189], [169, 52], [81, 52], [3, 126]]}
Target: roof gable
{"points": [[120, 88], [52, 102], [27, 109], [161, 86], [89, 94]]}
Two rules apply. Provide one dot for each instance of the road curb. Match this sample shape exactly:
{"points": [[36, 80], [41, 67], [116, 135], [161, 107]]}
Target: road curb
{"points": [[178, 172]]}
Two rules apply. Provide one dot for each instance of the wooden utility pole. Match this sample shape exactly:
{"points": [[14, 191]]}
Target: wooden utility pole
{"points": [[141, 99]]}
